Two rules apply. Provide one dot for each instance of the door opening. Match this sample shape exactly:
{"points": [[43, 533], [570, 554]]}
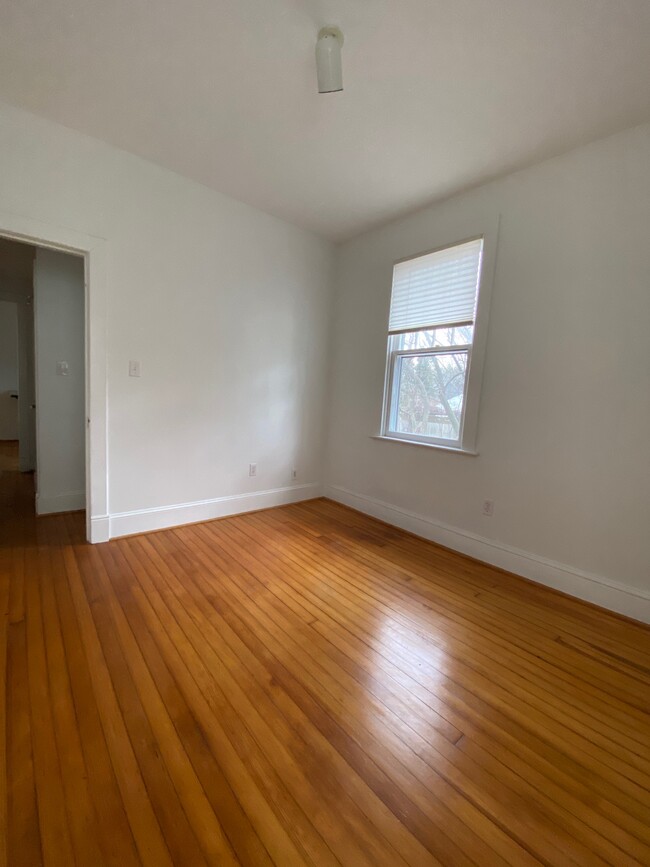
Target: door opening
{"points": [[92, 250], [45, 290]]}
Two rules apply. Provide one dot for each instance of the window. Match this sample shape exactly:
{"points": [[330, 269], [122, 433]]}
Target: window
{"points": [[431, 335]]}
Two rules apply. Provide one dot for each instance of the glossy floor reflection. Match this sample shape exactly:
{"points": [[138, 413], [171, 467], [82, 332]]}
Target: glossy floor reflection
{"points": [[308, 686]]}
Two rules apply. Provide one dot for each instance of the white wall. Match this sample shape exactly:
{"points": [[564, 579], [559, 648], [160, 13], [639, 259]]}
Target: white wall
{"points": [[60, 400], [564, 423], [8, 370], [225, 307]]}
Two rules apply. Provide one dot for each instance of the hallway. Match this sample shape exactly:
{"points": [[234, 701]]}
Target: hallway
{"points": [[16, 488]]}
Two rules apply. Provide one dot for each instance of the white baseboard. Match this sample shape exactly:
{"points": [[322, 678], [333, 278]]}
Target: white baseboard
{"points": [[70, 501], [145, 520], [100, 529], [601, 591]]}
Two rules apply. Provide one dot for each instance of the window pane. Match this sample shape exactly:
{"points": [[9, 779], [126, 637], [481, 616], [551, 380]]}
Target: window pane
{"points": [[430, 391], [460, 335]]}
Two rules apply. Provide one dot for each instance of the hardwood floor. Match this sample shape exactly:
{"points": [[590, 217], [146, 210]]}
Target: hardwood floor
{"points": [[307, 686]]}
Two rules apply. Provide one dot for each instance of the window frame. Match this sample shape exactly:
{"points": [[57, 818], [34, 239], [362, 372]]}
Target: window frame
{"points": [[466, 441], [392, 387]]}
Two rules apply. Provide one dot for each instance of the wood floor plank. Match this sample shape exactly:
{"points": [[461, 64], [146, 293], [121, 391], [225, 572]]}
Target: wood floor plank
{"points": [[517, 694], [441, 746], [556, 608], [228, 698], [402, 805], [79, 806], [307, 686], [244, 777], [193, 800], [315, 750], [151, 844], [448, 598], [24, 833], [148, 749], [465, 806], [526, 707], [243, 837], [463, 625], [116, 840], [490, 787], [53, 818]]}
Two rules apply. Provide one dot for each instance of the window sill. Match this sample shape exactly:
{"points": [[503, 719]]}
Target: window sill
{"points": [[453, 449]]}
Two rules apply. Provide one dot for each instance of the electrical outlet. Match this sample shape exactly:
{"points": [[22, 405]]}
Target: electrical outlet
{"points": [[488, 508], [252, 470], [294, 474]]}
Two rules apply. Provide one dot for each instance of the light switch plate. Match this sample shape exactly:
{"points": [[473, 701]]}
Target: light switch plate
{"points": [[62, 368], [134, 368]]}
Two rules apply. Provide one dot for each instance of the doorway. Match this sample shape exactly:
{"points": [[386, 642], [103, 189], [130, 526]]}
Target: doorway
{"points": [[9, 376], [53, 236], [9, 433], [43, 375]]}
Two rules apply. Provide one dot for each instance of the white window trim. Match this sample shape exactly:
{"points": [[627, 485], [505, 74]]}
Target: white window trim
{"points": [[488, 229], [421, 444]]}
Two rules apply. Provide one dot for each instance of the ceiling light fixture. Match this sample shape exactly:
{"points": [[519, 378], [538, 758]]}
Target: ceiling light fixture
{"points": [[328, 60]]}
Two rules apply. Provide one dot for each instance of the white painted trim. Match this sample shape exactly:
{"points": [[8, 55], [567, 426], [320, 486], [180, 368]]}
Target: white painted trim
{"points": [[19, 227], [602, 591], [70, 501], [145, 520], [419, 443], [100, 529], [487, 228]]}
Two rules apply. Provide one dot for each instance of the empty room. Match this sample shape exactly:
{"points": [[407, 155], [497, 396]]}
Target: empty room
{"points": [[324, 428]]}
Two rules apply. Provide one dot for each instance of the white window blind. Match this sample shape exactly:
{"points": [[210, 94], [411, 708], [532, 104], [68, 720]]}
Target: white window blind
{"points": [[436, 289]]}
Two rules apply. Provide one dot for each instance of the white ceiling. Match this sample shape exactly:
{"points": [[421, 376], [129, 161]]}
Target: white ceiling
{"points": [[439, 94]]}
